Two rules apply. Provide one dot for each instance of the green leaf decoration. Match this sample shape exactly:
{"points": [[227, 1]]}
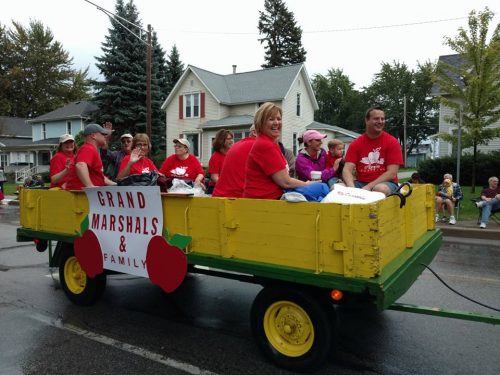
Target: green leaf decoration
{"points": [[165, 233], [84, 225], [180, 240]]}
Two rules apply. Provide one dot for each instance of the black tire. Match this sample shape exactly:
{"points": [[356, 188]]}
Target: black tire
{"points": [[292, 327], [78, 287]]}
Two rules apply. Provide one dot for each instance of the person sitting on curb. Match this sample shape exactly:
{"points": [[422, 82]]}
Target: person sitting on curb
{"points": [[446, 200], [490, 200]]}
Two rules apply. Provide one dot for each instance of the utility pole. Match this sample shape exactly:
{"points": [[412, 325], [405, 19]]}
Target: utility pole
{"points": [[404, 129], [459, 142], [148, 84]]}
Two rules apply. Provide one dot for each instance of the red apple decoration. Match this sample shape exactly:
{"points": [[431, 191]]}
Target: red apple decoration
{"points": [[166, 264], [88, 252]]}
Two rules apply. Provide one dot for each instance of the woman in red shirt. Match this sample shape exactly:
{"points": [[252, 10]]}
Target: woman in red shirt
{"points": [[137, 162], [183, 165], [221, 145], [266, 173], [62, 160]]}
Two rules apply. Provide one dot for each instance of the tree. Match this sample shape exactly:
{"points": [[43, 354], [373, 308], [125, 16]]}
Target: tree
{"points": [[282, 36], [121, 96], [339, 103], [36, 74], [474, 84], [389, 89], [175, 68]]}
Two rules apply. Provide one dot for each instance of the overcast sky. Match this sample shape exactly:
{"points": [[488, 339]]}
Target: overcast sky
{"points": [[352, 35]]}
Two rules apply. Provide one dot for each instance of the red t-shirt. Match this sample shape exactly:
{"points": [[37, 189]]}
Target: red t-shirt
{"points": [[86, 154], [372, 156], [232, 176], [58, 164], [215, 164], [184, 169], [143, 165], [264, 160]]}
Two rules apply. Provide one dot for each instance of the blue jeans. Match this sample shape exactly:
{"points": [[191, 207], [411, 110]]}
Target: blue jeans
{"points": [[487, 207]]}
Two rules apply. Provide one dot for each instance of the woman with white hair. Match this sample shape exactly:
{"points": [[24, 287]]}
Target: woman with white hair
{"points": [[61, 162]]}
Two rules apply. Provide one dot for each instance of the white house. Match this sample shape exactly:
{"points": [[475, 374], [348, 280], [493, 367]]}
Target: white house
{"points": [[203, 102], [445, 113]]}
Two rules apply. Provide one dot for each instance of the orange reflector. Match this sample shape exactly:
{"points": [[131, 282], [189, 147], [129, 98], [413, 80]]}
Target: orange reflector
{"points": [[336, 294]]}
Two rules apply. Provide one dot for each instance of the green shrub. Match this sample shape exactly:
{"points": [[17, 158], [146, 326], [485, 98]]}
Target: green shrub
{"points": [[487, 165]]}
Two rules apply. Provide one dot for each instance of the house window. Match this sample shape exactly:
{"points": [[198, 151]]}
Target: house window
{"points": [[44, 131], [238, 135], [294, 143], [68, 127], [3, 160], [194, 139], [192, 105], [298, 104]]}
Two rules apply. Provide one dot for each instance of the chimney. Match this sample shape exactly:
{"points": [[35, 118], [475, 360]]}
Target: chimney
{"points": [[234, 69]]}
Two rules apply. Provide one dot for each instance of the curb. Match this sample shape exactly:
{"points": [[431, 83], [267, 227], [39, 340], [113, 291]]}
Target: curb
{"points": [[469, 232]]}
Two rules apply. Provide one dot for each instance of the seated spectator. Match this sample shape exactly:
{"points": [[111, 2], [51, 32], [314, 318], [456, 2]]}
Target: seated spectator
{"points": [[290, 159], [312, 157], [87, 170], [335, 159], [29, 182], [38, 181], [232, 177], [221, 145], [62, 161], [490, 200], [183, 165], [415, 179], [266, 172], [448, 195], [137, 162]]}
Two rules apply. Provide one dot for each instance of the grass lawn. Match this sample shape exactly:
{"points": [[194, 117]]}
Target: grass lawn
{"points": [[9, 188]]}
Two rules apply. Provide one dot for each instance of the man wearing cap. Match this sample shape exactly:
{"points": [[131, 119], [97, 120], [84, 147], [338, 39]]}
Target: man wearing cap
{"points": [[183, 165], [376, 155], [87, 170], [61, 162], [113, 159], [312, 158]]}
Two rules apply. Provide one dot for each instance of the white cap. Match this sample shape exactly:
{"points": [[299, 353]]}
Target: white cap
{"points": [[65, 138], [183, 141]]}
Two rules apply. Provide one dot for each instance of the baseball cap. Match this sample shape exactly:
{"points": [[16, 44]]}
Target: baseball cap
{"points": [[312, 134], [65, 138], [183, 141], [94, 128], [126, 135]]}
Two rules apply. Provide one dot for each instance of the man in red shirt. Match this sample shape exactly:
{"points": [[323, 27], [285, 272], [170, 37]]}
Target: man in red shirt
{"points": [[87, 169], [376, 155], [232, 177]]}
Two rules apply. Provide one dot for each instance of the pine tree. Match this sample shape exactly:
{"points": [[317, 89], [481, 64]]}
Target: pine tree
{"points": [[36, 74], [282, 36], [175, 68], [121, 96]]}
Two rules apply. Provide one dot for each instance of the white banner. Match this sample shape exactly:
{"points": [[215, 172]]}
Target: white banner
{"points": [[124, 219]]}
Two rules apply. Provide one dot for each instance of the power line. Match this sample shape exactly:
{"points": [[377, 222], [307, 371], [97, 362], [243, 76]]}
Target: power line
{"points": [[375, 27]]}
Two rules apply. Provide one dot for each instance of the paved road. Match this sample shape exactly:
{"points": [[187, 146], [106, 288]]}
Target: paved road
{"points": [[203, 327]]}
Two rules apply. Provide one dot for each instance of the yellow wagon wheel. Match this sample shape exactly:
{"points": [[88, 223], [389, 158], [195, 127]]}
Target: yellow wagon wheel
{"points": [[75, 277], [78, 287], [289, 328], [293, 327]]}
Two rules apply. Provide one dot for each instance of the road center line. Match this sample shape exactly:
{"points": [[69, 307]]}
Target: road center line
{"points": [[57, 323]]}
